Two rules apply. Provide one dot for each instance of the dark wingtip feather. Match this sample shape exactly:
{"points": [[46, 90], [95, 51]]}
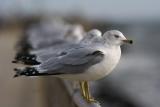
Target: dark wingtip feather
{"points": [[27, 59], [22, 47], [14, 61], [18, 72], [28, 71]]}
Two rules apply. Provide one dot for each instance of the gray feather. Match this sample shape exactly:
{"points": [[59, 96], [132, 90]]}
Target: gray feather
{"points": [[54, 51], [75, 61]]}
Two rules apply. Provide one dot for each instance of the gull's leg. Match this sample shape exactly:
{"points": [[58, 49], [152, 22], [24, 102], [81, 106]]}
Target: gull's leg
{"points": [[88, 95], [82, 89]]}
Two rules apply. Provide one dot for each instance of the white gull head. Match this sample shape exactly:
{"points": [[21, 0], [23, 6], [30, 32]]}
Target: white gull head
{"points": [[115, 38]]}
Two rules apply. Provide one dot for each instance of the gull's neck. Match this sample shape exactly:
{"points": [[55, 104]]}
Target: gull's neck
{"points": [[105, 48], [111, 46]]}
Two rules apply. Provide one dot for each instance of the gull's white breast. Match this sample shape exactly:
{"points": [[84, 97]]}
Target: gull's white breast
{"points": [[106, 66], [101, 69]]}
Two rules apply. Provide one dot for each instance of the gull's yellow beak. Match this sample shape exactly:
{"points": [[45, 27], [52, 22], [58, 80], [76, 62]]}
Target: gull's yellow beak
{"points": [[128, 41]]}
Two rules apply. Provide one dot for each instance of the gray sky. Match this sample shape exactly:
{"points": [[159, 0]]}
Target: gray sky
{"points": [[112, 9]]}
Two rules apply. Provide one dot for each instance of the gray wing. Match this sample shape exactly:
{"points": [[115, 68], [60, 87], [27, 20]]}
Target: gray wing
{"points": [[47, 53], [76, 61]]}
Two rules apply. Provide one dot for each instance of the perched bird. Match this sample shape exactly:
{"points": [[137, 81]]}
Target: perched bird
{"points": [[39, 39], [35, 57], [84, 63], [90, 36]]}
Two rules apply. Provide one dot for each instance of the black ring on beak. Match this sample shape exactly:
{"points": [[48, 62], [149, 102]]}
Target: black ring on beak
{"points": [[128, 41]]}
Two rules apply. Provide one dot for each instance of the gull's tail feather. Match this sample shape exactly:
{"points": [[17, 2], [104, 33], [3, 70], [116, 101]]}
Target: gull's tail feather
{"points": [[28, 71], [25, 58]]}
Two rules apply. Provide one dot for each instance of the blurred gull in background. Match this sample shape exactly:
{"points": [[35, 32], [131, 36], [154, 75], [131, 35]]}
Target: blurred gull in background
{"points": [[54, 33], [47, 37], [93, 35], [46, 53]]}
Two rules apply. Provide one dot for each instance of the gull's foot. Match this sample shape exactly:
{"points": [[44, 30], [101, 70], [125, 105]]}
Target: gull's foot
{"points": [[92, 100]]}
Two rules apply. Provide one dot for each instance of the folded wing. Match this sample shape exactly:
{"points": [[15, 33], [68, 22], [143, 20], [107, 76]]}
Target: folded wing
{"points": [[73, 62]]}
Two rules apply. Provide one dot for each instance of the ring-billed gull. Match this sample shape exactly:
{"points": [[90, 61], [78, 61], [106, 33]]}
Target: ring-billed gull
{"points": [[39, 38], [35, 57], [45, 54], [86, 63]]}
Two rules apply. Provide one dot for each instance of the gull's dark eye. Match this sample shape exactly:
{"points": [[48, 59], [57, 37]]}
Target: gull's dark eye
{"points": [[116, 36]]}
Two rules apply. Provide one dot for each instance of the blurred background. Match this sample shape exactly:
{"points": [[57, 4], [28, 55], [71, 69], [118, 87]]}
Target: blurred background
{"points": [[134, 83]]}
